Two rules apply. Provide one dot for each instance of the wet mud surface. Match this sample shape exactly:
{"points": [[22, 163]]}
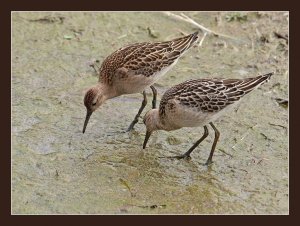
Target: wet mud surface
{"points": [[58, 170]]}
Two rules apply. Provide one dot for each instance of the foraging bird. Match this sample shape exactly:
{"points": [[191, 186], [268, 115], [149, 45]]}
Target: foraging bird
{"points": [[133, 68], [196, 103]]}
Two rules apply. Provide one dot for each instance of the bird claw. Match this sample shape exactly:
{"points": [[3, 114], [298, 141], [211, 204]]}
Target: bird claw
{"points": [[128, 130], [186, 157], [208, 162]]}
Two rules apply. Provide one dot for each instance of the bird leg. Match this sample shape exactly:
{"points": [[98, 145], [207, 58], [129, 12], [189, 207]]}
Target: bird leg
{"points": [[217, 135], [154, 91], [136, 118], [187, 154]]}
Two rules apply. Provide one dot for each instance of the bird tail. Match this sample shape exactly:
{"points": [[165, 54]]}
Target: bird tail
{"points": [[184, 43], [251, 83]]}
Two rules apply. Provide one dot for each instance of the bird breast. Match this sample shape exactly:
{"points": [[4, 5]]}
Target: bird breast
{"points": [[136, 83], [182, 116]]}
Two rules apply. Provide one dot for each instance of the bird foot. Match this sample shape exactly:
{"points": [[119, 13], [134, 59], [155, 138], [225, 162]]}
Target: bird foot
{"points": [[208, 162], [131, 127], [129, 130], [186, 157]]}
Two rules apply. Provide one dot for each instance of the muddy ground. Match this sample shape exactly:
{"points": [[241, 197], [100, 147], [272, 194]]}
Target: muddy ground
{"points": [[58, 170]]}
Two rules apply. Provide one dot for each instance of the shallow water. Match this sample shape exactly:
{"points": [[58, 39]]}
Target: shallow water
{"points": [[58, 170]]}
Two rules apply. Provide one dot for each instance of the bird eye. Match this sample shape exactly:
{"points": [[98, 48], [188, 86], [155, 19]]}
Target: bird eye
{"points": [[94, 104]]}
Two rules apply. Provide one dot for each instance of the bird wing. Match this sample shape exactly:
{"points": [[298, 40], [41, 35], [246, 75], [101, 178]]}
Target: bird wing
{"points": [[145, 58], [153, 57], [211, 95]]}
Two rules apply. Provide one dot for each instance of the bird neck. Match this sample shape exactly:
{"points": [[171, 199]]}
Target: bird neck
{"points": [[106, 91], [156, 120], [164, 123]]}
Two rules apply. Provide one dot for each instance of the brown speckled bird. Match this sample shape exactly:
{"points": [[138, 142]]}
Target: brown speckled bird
{"points": [[133, 68], [198, 103]]}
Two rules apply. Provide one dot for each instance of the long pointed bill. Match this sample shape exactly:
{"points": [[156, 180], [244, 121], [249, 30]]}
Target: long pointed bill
{"points": [[148, 134], [88, 115]]}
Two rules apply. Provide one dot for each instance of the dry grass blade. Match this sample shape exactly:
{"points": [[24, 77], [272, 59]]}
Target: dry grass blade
{"points": [[185, 18]]}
